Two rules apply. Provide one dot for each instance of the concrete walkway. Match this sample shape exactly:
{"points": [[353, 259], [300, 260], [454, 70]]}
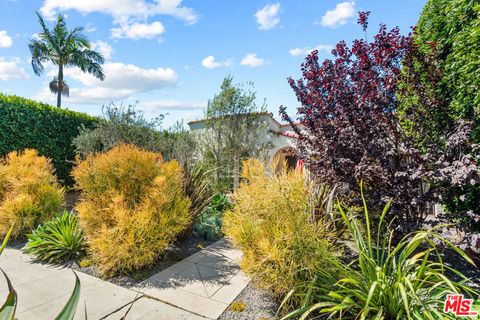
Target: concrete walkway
{"points": [[175, 293], [204, 283]]}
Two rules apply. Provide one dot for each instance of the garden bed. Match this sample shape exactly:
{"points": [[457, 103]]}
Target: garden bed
{"points": [[256, 304], [184, 247]]}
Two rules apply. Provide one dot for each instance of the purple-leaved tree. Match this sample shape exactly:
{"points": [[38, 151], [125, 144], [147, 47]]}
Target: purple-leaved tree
{"points": [[350, 129]]}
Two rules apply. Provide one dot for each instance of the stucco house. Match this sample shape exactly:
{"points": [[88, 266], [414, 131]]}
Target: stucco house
{"points": [[280, 135]]}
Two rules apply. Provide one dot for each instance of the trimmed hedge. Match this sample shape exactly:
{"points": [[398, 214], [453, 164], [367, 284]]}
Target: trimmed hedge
{"points": [[26, 123]]}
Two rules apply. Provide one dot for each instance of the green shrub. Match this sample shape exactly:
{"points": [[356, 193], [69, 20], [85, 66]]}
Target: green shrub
{"points": [[209, 223], [284, 239], [26, 123], [29, 192], [126, 125], [131, 207], [453, 28], [386, 281], [57, 240]]}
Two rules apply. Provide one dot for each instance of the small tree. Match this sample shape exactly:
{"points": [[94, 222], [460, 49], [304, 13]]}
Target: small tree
{"points": [[352, 131], [234, 131]]}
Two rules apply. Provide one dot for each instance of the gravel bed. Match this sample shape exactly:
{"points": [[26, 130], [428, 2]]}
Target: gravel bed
{"points": [[259, 305], [183, 248], [466, 241]]}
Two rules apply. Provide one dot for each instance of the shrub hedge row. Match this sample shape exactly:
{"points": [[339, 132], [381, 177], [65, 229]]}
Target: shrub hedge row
{"points": [[26, 123]]}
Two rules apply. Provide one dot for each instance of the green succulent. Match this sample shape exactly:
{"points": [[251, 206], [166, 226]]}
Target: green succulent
{"points": [[57, 240], [209, 223]]}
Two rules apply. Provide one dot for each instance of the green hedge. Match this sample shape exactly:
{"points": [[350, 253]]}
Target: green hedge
{"points": [[26, 123]]}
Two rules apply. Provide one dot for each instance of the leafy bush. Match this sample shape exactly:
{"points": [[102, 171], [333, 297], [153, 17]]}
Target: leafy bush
{"points": [[26, 123], [387, 281], [452, 28], [29, 192], [209, 223], [125, 125], [131, 208], [284, 239], [57, 240]]}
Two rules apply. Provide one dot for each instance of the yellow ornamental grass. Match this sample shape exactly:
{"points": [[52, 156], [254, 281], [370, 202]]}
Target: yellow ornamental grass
{"points": [[272, 223], [29, 191], [131, 208]]}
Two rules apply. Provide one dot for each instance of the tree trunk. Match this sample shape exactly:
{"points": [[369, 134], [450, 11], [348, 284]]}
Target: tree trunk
{"points": [[60, 86]]}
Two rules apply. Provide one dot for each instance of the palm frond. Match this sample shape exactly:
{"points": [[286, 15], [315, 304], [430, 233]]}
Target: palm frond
{"points": [[48, 38], [40, 54], [88, 61], [77, 39]]}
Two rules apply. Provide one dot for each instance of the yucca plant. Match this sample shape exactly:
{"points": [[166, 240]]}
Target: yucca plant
{"points": [[9, 307], [57, 240], [407, 280]]}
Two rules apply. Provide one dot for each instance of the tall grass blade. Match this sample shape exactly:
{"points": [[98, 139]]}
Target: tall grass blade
{"points": [[69, 310], [7, 311], [5, 240]]}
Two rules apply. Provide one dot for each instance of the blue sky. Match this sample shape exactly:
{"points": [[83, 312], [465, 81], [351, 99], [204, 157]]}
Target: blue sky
{"points": [[171, 55]]}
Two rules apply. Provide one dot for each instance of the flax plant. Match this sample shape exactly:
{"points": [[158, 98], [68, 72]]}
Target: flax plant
{"points": [[407, 280]]}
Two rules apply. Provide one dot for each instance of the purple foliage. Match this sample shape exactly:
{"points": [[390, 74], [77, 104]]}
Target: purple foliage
{"points": [[350, 128]]}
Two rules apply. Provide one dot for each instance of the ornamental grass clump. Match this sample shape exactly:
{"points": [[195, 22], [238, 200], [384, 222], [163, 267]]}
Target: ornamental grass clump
{"points": [[407, 280], [274, 221], [131, 208], [29, 192]]}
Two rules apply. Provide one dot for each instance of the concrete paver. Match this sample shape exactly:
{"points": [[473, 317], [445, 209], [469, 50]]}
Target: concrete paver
{"points": [[149, 309], [198, 287], [44, 289], [204, 283]]}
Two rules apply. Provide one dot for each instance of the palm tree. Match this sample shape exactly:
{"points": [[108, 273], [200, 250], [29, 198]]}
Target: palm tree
{"points": [[64, 48]]}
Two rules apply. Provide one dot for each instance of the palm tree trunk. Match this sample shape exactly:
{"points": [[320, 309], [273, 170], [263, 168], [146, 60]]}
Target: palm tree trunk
{"points": [[60, 86]]}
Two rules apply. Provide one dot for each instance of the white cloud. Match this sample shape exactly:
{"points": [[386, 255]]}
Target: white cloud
{"points": [[121, 10], [306, 50], [90, 27], [338, 16], [10, 69], [251, 60], [121, 82], [5, 39], [156, 105], [138, 30], [267, 17], [104, 48], [210, 63]]}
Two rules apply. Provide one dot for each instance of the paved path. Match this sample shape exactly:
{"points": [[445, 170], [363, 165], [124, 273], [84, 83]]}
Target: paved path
{"points": [[204, 283], [172, 294]]}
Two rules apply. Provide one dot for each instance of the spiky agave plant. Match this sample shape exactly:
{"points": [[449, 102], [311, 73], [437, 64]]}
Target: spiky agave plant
{"points": [[57, 240], [387, 281]]}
